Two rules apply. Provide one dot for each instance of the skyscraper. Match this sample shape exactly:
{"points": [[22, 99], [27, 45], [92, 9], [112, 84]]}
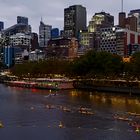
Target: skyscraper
{"points": [[1, 25], [74, 20], [136, 13], [55, 33], [128, 22], [44, 34], [100, 20], [23, 20]]}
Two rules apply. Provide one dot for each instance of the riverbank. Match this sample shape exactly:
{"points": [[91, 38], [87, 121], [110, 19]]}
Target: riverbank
{"points": [[101, 85], [106, 85]]}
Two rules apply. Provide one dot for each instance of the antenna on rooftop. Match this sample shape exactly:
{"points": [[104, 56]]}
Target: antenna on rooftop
{"points": [[41, 19], [122, 6]]}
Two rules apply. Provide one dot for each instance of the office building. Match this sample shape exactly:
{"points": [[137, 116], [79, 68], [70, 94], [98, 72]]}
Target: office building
{"points": [[8, 52], [120, 41], [62, 48], [127, 22], [34, 41], [44, 34], [87, 40], [100, 20], [55, 33], [22, 20], [36, 55], [17, 28], [21, 40], [1, 25], [136, 13], [74, 20]]}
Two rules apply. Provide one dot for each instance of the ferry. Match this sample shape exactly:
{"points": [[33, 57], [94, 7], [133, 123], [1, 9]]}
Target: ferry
{"points": [[43, 83], [22, 84], [61, 83], [122, 118], [133, 114]]}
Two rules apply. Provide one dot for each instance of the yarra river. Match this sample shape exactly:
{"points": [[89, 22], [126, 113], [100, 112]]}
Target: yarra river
{"points": [[56, 115]]}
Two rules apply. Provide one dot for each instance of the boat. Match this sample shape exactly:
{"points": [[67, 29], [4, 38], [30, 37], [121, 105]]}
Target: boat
{"points": [[122, 118], [43, 83], [22, 84], [85, 111], [59, 83], [133, 114]]}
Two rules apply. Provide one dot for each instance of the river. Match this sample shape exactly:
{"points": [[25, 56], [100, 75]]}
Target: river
{"points": [[56, 115]]}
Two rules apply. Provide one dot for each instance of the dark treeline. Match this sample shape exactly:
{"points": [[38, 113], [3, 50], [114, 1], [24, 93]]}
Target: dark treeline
{"points": [[91, 65]]}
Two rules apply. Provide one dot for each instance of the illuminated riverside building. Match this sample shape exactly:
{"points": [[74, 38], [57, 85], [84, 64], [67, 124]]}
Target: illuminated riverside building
{"points": [[74, 20], [119, 41]]}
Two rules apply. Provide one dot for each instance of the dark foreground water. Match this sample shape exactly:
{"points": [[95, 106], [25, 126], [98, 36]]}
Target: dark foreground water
{"points": [[37, 115]]}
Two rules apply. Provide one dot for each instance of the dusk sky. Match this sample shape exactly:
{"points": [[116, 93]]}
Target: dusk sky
{"points": [[52, 11]]}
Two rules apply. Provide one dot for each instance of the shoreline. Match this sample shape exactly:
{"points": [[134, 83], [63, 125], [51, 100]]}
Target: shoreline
{"points": [[105, 85]]}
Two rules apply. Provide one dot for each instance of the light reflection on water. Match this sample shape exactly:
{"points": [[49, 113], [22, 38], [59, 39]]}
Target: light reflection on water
{"points": [[29, 112]]}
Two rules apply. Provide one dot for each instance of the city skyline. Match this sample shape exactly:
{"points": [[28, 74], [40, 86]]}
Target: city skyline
{"points": [[52, 12]]}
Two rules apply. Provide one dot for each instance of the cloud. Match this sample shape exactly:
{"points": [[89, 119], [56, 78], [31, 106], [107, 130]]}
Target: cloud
{"points": [[52, 11]]}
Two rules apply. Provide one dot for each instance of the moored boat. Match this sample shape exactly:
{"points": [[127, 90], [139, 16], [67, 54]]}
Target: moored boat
{"points": [[22, 84], [41, 83]]}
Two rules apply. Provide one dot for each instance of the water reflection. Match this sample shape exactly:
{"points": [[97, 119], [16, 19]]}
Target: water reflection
{"points": [[72, 114], [116, 101]]}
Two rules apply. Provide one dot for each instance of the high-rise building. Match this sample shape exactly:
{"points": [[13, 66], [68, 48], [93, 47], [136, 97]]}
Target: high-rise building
{"points": [[1, 25], [136, 13], [55, 33], [44, 34], [22, 20], [127, 22], [17, 28], [8, 56], [21, 40], [34, 41], [100, 20], [120, 41], [62, 48], [74, 20], [87, 40]]}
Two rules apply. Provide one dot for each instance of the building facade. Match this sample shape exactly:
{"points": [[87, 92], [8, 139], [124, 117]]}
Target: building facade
{"points": [[128, 42], [22, 20], [128, 22], [17, 28], [36, 55], [62, 48], [136, 13], [34, 41], [1, 25], [74, 20], [8, 56], [44, 34], [122, 42], [100, 20], [22, 40], [55, 33], [87, 40]]}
